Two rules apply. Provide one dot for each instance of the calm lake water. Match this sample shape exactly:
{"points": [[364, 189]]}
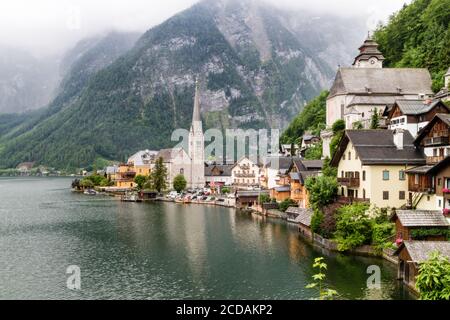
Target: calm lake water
{"points": [[159, 251]]}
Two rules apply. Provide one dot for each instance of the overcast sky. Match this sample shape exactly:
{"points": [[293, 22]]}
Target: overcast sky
{"points": [[51, 26]]}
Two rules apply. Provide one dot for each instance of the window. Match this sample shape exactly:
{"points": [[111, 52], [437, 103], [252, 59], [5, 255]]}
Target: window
{"points": [[385, 175], [343, 156], [416, 179], [440, 204], [342, 174], [364, 193], [402, 195], [385, 195], [428, 198], [182, 171], [401, 175], [439, 181], [356, 156], [364, 176], [349, 156]]}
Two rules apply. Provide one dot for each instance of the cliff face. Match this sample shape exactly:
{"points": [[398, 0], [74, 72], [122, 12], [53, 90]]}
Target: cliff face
{"points": [[257, 66]]}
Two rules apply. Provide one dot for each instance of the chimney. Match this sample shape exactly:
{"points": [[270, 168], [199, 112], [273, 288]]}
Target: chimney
{"points": [[428, 101], [398, 138]]}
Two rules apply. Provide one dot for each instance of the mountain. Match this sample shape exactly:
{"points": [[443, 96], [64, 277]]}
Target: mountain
{"points": [[257, 66], [26, 82], [418, 36]]}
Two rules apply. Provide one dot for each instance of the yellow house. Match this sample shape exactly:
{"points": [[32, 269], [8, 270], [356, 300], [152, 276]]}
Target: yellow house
{"points": [[372, 166], [125, 176]]}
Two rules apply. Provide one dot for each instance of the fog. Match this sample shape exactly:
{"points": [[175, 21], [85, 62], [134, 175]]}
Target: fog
{"points": [[48, 27]]}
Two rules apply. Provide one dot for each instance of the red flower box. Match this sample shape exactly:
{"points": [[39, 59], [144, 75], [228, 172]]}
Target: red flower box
{"points": [[445, 190], [446, 212]]}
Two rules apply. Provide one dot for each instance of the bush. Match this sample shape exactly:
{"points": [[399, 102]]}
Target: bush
{"points": [[286, 204], [322, 190], [225, 190], [353, 227], [381, 234], [179, 183], [316, 221], [264, 198], [433, 281], [140, 180]]}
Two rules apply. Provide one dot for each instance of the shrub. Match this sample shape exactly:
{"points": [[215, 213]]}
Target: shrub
{"points": [[225, 190], [286, 204], [381, 234], [316, 221], [264, 198], [179, 183], [353, 227], [322, 190], [140, 181], [433, 281]]}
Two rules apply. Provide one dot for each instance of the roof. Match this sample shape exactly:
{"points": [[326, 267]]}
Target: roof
{"points": [[420, 170], [420, 251], [416, 107], [304, 175], [444, 117], [381, 81], [251, 193], [294, 175], [377, 147], [27, 165], [421, 218], [431, 169], [313, 164], [142, 157], [373, 100], [169, 154], [283, 189], [278, 163], [303, 215], [224, 170]]}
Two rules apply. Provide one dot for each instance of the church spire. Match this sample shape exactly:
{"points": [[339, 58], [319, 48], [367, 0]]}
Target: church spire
{"points": [[196, 115]]}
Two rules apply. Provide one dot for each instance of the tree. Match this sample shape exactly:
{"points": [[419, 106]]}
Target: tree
{"points": [[225, 190], [314, 152], [319, 278], [353, 226], [338, 126], [284, 205], [327, 169], [433, 281], [159, 175], [264, 198], [179, 183], [375, 119], [322, 190], [140, 181]]}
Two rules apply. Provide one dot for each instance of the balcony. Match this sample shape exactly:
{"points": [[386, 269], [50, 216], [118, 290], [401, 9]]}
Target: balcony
{"points": [[349, 182], [350, 200], [435, 159], [436, 141]]}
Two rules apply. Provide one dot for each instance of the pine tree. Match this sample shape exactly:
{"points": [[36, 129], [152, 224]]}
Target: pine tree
{"points": [[159, 175], [375, 120]]}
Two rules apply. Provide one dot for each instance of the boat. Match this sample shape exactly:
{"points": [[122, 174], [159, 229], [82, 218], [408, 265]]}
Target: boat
{"points": [[131, 197], [90, 192]]}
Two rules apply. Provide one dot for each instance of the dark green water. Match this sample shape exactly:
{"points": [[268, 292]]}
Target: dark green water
{"points": [[158, 251]]}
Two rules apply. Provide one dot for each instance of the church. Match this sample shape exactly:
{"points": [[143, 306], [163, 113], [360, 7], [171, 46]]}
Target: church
{"points": [[189, 163], [366, 87]]}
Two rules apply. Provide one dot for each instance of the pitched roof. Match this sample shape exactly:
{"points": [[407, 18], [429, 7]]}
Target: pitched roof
{"points": [[431, 169], [283, 189], [444, 117], [421, 218], [278, 163], [223, 169], [381, 81], [420, 251], [373, 100], [313, 164], [416, 107], [303, 215], [304, 175], [169, 154], [378, 147]]}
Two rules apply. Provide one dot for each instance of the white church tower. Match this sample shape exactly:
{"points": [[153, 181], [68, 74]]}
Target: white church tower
{"points": [[369, 55], [197, 144]]}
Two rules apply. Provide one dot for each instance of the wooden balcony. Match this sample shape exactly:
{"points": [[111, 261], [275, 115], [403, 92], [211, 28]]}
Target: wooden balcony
{"points": [[421, 189], [349, 182], [350, 200], [436, 141], [434, 160]]}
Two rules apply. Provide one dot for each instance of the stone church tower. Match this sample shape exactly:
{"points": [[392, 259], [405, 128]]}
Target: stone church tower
{"points": [[369, 56], [197, 145]]}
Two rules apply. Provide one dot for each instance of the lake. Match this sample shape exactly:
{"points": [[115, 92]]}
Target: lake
{"points": [[160, 251]]}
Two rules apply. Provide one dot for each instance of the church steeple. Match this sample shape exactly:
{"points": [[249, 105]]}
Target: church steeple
{"points": [[369, 55], [196, 114]]}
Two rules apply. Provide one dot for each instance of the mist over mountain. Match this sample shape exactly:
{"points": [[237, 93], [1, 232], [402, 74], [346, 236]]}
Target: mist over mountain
{"points": [[257, 65]]}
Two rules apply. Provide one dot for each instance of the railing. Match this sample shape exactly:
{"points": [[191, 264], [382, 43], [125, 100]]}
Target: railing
{"points": [[436, 141], [350, 200], [422, 189], [434, 160], [349, 182]]}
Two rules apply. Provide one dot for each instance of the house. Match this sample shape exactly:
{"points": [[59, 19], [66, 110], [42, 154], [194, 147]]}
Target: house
{"points": [[124, 177], [434, 138], [245, 173], [412, 253], [248, 198], [218, 175], [429, 186], [372, 166], [414, 224], [274, 168], [366, 87], [25, 168], [308, 140], [302, 217], [414, 115], [111, 172], [143, 161], [289, 149]]}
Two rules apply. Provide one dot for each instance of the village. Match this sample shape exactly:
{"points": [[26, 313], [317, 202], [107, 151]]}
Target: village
{"points": [[385, 161]]}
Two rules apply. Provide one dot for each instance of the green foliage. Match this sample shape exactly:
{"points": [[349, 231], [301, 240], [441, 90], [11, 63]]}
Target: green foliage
{"points": [[381, 233], [264, 198], [159, 175], [140, 180], [433, 281], [423, 233], [338, 126], [179, 183], [327, 169], [95, 180], [353, 227], [335, 142], [312, 118], [418, 36], [316, 221], [319, 279], [314, 152], [357, 125], [225, 190], [284, 205], [322, 190]]}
